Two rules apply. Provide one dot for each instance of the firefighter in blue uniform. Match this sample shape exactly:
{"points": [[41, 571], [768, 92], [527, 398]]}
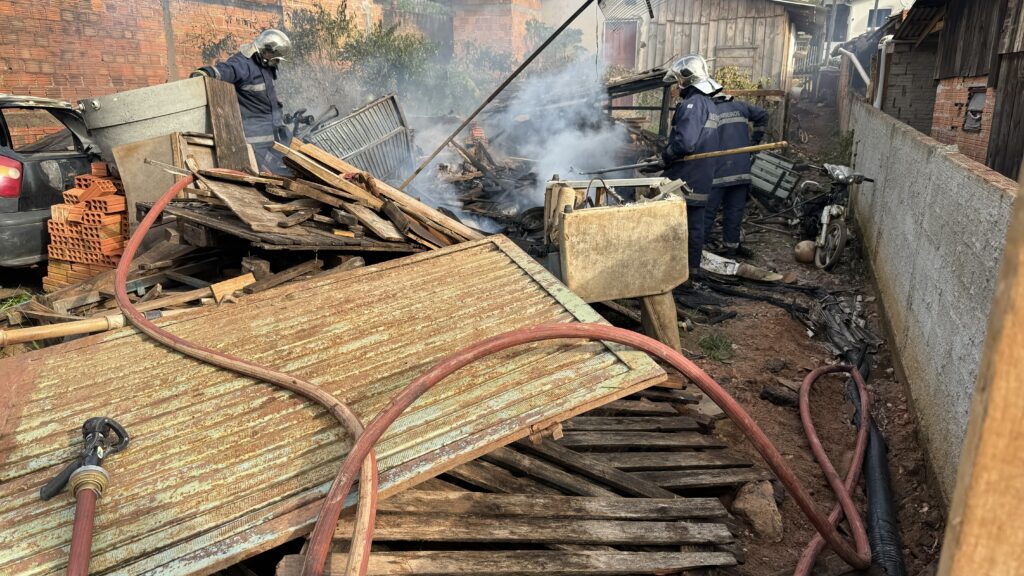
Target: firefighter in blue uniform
{"points": [[694, 131], [732, 178], [253, 70]]}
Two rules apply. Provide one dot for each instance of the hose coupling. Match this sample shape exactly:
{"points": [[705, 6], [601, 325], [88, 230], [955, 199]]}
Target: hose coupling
{"points": [[94, 478], [102, 437]]}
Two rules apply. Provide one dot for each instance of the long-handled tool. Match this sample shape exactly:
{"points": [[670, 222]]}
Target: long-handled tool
{"points": [[702, 156], [103, 437]]}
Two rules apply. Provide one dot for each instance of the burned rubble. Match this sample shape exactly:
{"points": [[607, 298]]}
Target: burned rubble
{"points": [[345, 344]]}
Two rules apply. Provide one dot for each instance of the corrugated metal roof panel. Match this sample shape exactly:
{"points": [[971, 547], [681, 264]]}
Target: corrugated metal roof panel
{"points": [[222, 467]]}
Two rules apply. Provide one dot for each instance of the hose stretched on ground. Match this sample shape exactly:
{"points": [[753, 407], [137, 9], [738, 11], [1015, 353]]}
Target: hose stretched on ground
{"points": [[858, 556], [360, 458], [368, 476]]}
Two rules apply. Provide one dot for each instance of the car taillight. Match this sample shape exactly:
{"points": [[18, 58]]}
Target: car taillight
{"points": [[10, 178]]}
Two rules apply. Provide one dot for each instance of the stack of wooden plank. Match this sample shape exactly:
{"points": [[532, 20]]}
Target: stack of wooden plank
{"points": [[87, 230], [327, 205], [628, 488]]}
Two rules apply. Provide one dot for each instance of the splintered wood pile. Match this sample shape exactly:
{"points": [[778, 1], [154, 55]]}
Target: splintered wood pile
{"points": [[486, 186], [628, 488], [329, 205]]}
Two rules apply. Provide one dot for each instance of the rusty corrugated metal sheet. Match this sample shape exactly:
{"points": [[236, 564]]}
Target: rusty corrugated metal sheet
{"points": [[222, 467]]}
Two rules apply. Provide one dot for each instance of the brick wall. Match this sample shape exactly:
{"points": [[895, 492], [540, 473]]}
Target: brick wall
{"points": [[910, 88], [950, 107], [496, 24], [73, 49]]}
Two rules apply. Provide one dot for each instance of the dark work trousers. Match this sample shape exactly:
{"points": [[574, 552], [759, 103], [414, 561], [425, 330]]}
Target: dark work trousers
{"points": [[695, 231], [733, 201]]}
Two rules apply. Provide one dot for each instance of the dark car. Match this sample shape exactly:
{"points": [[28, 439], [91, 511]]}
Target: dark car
{"points": [[43, 145]]}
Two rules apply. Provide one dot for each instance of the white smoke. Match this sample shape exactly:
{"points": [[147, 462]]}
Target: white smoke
{"points": [[559, 119]]}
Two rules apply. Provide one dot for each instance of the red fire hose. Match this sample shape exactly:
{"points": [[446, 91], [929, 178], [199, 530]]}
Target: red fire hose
{"points": [[360, 457], [86, 492], [858, 556], [817, 544]]}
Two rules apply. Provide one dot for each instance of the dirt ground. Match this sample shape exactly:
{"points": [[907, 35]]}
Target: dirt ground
{"points": [[768, 346]]}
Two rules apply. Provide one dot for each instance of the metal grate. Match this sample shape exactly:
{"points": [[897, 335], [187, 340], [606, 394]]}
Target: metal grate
{"points": [[374, 138]]}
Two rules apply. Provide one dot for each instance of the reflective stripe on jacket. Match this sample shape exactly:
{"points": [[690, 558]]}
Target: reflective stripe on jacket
{"points": [[257, 96], [734, 117]]}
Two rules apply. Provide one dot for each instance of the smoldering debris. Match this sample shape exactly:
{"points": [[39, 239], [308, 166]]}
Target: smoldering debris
{"points": [[544, 125]]}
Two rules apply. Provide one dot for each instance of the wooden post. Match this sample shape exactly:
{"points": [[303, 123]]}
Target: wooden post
{"points": [[666, 111], [983, 534], [660, 320]]}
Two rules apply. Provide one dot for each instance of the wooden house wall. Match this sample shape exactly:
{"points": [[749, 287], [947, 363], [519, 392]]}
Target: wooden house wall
{"points": [[1006, 146], [969, 37], [754, 35]]}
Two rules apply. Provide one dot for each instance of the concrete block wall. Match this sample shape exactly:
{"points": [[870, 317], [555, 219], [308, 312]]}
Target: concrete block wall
{"points": [[934, 225], [910, 87], [951, 99]]}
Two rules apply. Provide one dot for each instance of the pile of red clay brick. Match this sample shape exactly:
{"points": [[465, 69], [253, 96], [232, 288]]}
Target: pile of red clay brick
{"points": [[87, 231]]}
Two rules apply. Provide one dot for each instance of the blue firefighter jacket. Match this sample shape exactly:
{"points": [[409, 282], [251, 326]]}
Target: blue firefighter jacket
{"points": [[734, 132], [694, 131], [257, 97]]}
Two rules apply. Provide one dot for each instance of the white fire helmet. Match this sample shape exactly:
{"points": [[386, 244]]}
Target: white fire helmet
{"points": [[692, 70], [272, 44]]}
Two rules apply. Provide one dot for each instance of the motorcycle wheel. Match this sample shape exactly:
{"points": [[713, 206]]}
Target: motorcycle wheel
{"points": [[826, 257]]}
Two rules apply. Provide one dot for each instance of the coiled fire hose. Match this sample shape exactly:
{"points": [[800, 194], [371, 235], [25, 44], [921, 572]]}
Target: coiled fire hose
{"points": [[367, 504], [360, 456]]}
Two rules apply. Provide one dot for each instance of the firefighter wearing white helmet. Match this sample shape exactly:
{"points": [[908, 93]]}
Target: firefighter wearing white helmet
{"points": [[253, 70], [694, 131]]}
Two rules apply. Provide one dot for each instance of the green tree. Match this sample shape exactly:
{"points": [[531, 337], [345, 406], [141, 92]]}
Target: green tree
{"points": [[318, 35], [565, 50], [385, 60]]}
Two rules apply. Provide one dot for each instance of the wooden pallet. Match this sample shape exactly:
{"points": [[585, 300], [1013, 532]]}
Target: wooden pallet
{"points": [[630, 488]]}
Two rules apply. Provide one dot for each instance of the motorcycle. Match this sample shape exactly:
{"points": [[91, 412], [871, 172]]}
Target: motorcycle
{"points": [[824, 216]]}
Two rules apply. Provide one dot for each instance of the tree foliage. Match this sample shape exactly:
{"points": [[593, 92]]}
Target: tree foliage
{"points": [[333, 61], [318, 35]]}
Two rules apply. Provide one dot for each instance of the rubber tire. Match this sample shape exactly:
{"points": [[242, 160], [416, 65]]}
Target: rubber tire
{"points": [[838, 228]]}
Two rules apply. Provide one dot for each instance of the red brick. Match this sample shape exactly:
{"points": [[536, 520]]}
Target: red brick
{"points": [[951, 99]]}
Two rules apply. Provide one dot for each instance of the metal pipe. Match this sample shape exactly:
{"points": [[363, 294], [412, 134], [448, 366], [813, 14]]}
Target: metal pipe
{"points": [[880, 89], [20, 335], [318, 549], [856, 64], [731, 151], [701, 156], [85, 326], [498, 90], [858, 556]]}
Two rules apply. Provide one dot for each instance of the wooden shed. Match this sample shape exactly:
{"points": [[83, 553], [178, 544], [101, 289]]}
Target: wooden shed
{"points": [[976, 53], [1006, 147], [757, 36]]}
